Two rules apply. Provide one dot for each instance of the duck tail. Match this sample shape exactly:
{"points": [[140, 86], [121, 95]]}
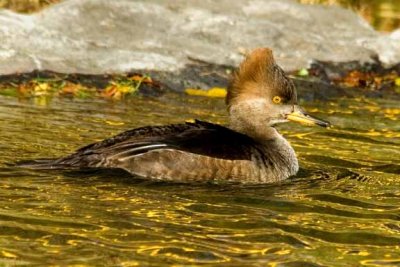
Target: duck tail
{"points": [[42, 164]]}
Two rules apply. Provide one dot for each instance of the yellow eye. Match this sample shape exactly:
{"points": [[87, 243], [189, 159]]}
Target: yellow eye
{"points": [[277, 99]]}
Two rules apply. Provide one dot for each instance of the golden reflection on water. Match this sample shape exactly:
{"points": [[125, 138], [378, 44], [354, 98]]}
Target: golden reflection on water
{"points": [[341, 210]]}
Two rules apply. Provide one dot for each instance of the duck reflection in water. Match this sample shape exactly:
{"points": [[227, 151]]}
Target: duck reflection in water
{"points": [[249, 150]]}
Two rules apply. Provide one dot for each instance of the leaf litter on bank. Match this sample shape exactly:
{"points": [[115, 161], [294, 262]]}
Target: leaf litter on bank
{"points": [[319, 82], [77, 85], [369, 76]]}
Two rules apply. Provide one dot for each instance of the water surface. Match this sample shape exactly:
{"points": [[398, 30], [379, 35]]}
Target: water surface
{"points": [[342, 209]]}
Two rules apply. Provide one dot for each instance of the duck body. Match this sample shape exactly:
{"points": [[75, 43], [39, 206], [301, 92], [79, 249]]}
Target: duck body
{"points": [[190, 152], [250, 150]]}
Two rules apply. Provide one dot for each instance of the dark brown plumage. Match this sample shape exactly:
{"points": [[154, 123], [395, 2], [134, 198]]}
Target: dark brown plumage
{"points": [[249, 151]]}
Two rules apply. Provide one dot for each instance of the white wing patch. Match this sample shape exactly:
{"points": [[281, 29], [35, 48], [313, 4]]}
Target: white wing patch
{"points": [[127, 154]]}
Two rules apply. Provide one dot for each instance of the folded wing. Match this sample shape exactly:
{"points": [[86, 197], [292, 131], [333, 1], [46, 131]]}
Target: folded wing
{"points": [[177, 147]]}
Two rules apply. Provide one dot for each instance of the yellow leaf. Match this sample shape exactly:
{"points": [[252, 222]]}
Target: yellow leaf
{"points": [[124, 89], [42, 87], [303, 72], [8, 254], [397, 81], [213, 92]]}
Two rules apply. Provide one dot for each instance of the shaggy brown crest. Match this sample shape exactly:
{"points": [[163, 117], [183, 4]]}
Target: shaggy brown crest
{"points": [[260, 76]]}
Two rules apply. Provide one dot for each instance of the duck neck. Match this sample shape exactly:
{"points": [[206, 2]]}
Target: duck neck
{"points": [[249, 118], [282, 161]]}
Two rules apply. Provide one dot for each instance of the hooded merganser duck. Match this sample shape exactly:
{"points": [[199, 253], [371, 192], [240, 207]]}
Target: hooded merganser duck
{"points": [[250, 150]]}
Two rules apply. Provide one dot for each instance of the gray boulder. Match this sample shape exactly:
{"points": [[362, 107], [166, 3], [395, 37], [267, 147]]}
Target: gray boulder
{"points": [[103, 36]]}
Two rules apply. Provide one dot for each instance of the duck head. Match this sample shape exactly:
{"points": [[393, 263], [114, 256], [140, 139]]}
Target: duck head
{"points": [[260, 95]]}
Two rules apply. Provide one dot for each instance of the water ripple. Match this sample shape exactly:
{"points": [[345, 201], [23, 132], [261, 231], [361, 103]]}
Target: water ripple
{"points": [[340, 210]]}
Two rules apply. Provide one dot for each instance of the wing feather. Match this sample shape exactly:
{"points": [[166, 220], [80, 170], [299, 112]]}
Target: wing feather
{"points": [[199, 138]]}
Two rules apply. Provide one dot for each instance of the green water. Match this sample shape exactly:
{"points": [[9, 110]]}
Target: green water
{"points": [[341, 210]]}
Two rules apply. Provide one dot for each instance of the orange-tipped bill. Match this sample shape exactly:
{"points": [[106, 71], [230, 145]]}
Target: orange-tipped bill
{"points": [[304, 118]]}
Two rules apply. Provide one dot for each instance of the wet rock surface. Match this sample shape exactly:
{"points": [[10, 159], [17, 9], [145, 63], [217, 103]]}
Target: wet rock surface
{"points": [[97, 37]]}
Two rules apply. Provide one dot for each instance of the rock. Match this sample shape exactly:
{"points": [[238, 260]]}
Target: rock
{"points": [[102, 36]]}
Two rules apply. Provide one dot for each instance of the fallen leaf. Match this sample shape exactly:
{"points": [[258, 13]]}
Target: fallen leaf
{"points": [[397, 81], [213, 92], [303, 72], [8, 254]]}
